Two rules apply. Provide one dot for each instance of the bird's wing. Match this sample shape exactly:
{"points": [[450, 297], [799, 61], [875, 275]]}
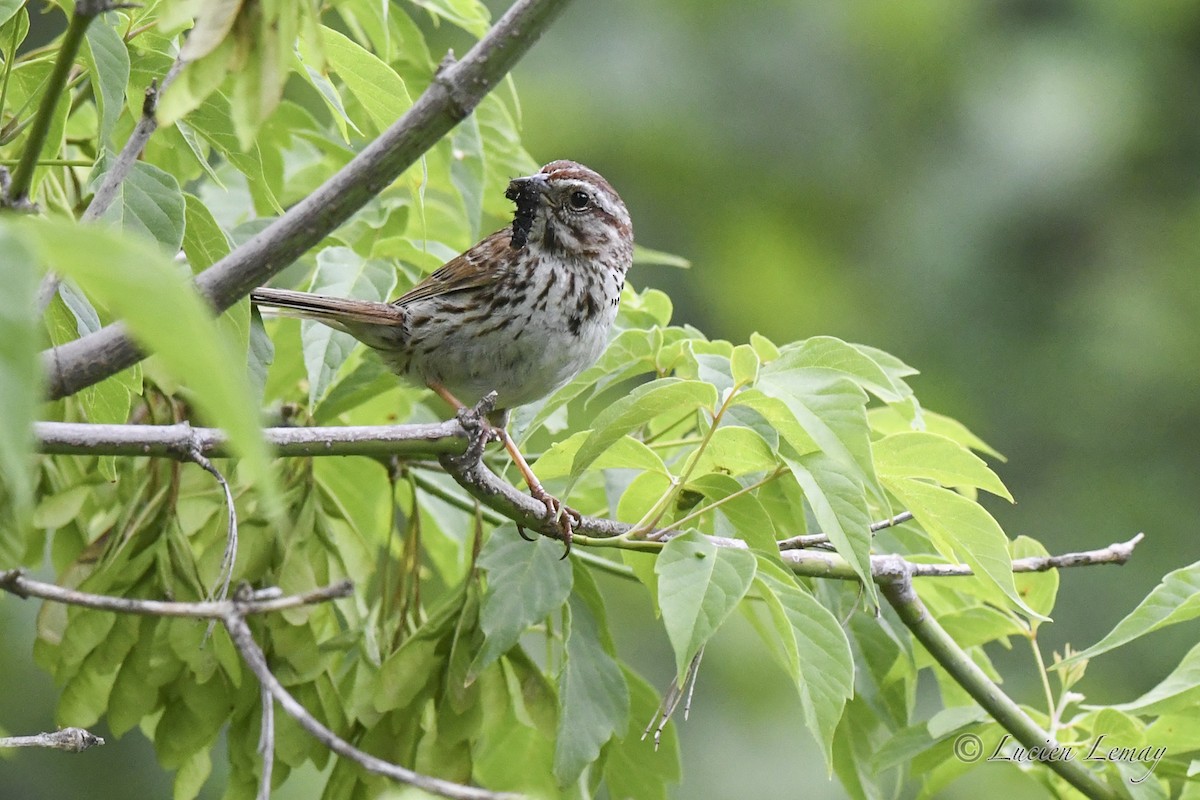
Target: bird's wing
{"points": [[479, 266]]}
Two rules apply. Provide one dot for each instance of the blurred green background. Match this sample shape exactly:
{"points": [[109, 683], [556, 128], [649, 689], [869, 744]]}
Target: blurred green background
{"points": [[1006, 195]]}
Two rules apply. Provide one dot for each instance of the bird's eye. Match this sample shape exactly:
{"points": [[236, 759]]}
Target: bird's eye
{"points": [[579, 200]]}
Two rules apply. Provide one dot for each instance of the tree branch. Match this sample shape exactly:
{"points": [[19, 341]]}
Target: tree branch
{"points": [[265, 601], [449, 441], [239, 632], [73, 740], [899, 592], [449, 98]]}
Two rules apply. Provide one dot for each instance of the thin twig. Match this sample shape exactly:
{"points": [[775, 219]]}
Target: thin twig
{"points": [[450, 97], [243, 640], [14, 581], [266, 743], [73, 740], [22, 179], [820, 539], [220, 589]]}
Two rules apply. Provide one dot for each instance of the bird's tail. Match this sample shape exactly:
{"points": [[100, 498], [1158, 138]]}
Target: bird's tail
{"points": [[334, 311]]}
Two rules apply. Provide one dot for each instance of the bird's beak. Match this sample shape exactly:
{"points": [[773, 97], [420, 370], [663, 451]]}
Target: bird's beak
{"points": [[524, 188]]}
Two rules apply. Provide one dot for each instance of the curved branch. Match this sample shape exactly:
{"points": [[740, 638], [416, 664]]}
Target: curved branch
{"points": [[454, 92], [899, 592], [239, 632]]}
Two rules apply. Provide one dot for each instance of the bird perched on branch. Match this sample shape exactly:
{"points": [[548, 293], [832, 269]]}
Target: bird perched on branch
{"points": [[521, 313]]}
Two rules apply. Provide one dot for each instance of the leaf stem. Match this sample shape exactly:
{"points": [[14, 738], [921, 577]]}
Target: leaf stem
{"points": [[22, 178]]}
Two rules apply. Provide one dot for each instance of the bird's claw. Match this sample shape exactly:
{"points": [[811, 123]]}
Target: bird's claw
{"points": [[565, 517]]}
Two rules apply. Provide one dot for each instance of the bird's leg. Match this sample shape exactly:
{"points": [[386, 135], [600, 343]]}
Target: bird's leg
{"points": [[564, 516]]}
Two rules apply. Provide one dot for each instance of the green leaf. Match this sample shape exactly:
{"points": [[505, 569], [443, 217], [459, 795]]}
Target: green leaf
{"points": [[887, 420], [8, 10], [645, 256], [192, 774], [745, 514], [962, 529], [1040, 589], [20, 380], [470, 15], [734, 450], [1177, 692], [592, 693], [816, 651], [637, 408], [625, 453], [828, 352], [377, 87], [831, 409], [109, 64], [1176, 599], [839, 504], [917, 454], [526, 582], [204, 241], [341, 272], [744, 364], [699, 585], [124, 272], [150, 203]]}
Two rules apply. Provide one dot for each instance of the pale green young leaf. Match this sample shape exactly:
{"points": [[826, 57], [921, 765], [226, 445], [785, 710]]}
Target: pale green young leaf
{"points": [[744, 364], [831, 409], [734, 450], [632, 769], [699, 585], [1176, 599], [376, 85], [1179, 691], [636, 409], [470, 15], [839, 503], [764, 347], [887, 420], [262, 62], [341, 272], [962, 529], [20, 379], [625, 453], [107, 58], [213, 24], [592, 693], [817, 653], [204, 241], [204, 358], [149, 202], [8, 10], [919, 454], [1040, 589], [643, 256], [828, 352], [526, 582], [746, 516], [192, 774]]}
